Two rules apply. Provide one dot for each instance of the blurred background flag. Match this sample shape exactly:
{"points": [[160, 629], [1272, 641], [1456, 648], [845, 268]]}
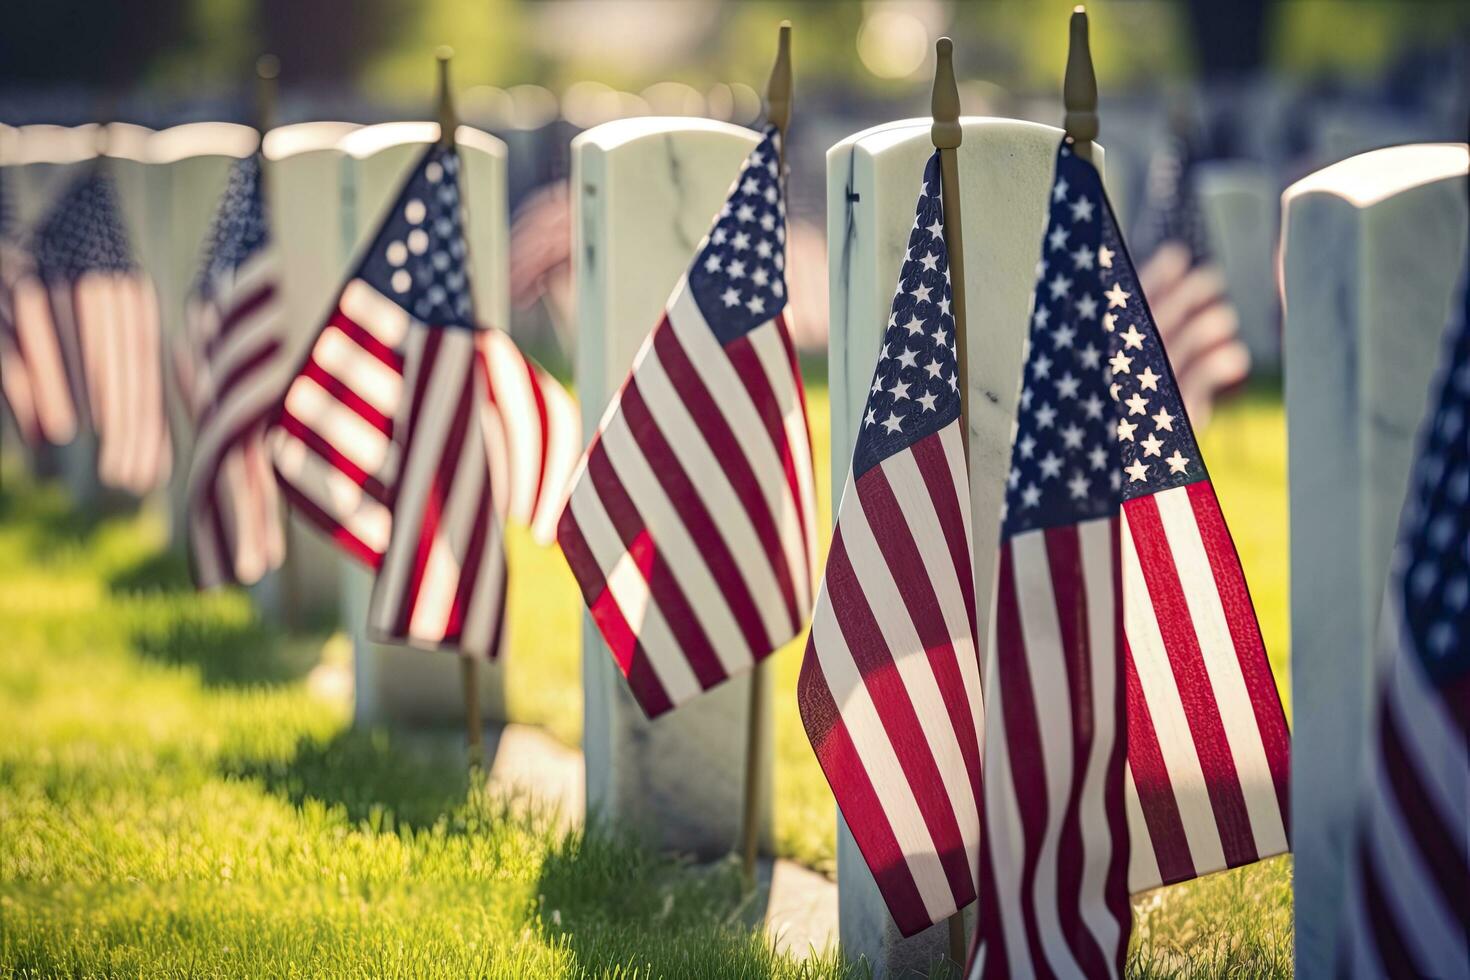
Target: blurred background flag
{"points": [[691, 522], [380, 440], [89, 302], [238, 369], [1408, 899], [1184, 285], [890, 685], [1150, 612]]}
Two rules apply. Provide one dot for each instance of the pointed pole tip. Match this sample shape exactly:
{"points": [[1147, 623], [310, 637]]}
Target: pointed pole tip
{"points": [[778, 88], [267, 66], [1079, 88], [448, 120], [944, 104]]}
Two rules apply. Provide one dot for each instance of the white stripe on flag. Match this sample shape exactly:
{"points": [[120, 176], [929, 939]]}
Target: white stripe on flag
{"points": [[344, 429], [369, 378], [378, 315], [333, 491], [1161, 693], [1227, 683], [870, 739], [798, 529]]}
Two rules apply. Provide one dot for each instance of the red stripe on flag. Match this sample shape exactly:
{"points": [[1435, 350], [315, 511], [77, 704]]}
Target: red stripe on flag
{"points": [[368, 341], [1192, 680], [542, 421], [663, 585], [1115, 804], [861, 807], [242, 370], [1382, 919], [890, 698], [1245, 633], [621, 640], [930, 456], [1069, 593], [342, 392], [437, 497], [896, 540], [1155, 789], [237, 315], [1022, 742], [316, 443], [703, 531], [715, 428], [349, 542]]}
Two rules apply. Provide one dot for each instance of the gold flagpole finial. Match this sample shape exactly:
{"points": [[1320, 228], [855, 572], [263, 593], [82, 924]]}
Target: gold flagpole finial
{"points": [[944, 104], [267, 71], [448, 120], [778, 89], [1079, 88]]}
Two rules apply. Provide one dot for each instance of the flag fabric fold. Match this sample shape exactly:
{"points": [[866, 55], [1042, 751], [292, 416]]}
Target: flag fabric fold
{"points": [[890, 685], [690, 523], [87, 313], [1407, 903], [238, 369], [380, 439], [1137, 736]]}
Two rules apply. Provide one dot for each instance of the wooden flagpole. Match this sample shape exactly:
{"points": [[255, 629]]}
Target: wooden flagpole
{"points": [[469, 665], [778, 114], [267, 70], [947, 134]]}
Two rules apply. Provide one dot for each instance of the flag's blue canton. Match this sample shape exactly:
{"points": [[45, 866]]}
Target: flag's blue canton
{"points": [[1435, 552], [419, 259], [915, 389], [83, 230], [240, 227], [1100, 419], [739, 276]]}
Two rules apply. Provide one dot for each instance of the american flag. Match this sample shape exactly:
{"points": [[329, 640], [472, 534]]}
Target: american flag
{"points": [[1185, 286], [90, 311], [890, 686], [380, 440], [1139, 736], [1407, 912], [32, 376], [240, 369], [533, 435], [690, 525]]}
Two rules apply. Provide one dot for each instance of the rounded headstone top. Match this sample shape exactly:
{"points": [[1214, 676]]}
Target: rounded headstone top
{"points": [[308, 137], [370, 140], [882, 137], [44, 143], [620, 132], [201, 139], [1368, 178]]}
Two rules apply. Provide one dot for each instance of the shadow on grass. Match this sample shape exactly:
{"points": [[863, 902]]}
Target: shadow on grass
{"points": [[159, 571], [377, 777], [50, 520], [227, 651]]}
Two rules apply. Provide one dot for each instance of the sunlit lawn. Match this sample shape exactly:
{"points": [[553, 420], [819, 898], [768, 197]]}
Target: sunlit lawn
{"points": [[173, 799]]}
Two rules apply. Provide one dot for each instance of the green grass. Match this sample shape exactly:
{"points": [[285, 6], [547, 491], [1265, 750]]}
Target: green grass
{"points": [[175, 800]]}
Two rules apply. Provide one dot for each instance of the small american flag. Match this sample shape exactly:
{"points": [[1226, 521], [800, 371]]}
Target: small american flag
{"points": [[1139, 737], [92, 311], [1185, 286], [890, 686], [380, 439], [240, 370], [1407, 912], [690, 525], [32, 375]]}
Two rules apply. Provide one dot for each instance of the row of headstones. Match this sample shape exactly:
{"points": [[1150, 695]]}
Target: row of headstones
{"points": [[1372, 247], [326, 184]]}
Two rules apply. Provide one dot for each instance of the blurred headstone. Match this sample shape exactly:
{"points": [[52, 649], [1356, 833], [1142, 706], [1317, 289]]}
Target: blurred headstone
{"points": [[1373, 247], [304, 189], [873, 178], [645, 192], [1240, 201], [398, 684]]}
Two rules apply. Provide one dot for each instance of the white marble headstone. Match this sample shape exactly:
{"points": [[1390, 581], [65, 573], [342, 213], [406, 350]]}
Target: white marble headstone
{"points": [[303, 186], [397, 683], [645, 192], [1372, 249], [1240, 201], [873, 178]]}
